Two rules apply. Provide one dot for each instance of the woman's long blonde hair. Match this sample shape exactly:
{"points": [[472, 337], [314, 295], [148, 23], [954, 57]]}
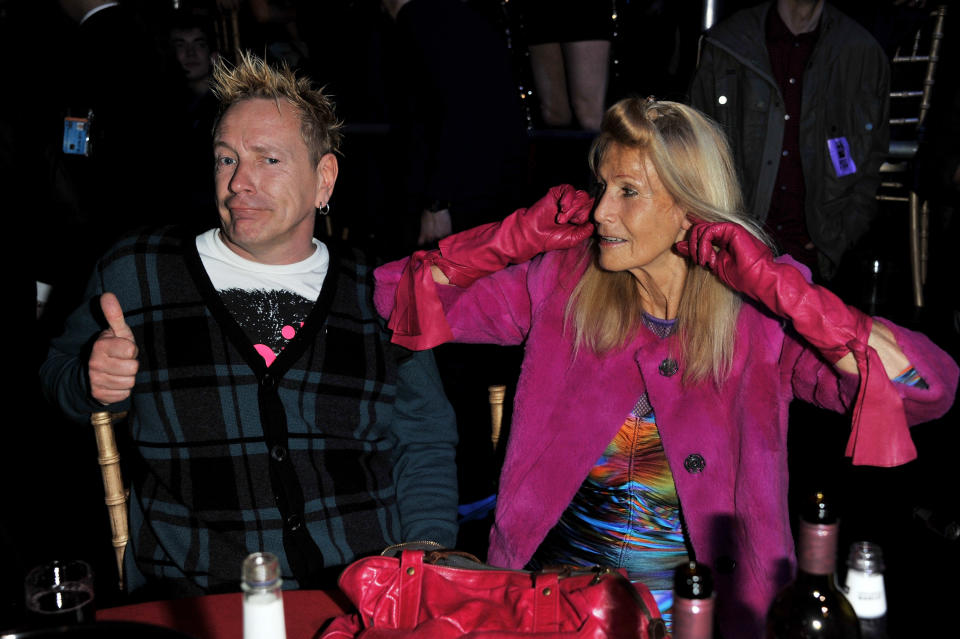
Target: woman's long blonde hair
{"points": [[692, 159]]}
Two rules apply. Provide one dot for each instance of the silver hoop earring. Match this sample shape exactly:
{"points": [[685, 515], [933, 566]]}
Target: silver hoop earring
{"points": [[324, 209]]}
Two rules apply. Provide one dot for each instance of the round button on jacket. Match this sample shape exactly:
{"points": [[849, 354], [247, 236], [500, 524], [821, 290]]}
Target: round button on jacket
{"points": [[268, 381], [294, 522], [669, 367], [725, 564], [278, 452], [694, 463]]}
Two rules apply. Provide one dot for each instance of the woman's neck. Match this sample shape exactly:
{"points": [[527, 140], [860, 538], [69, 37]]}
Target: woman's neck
{"points": [[660, 289]]}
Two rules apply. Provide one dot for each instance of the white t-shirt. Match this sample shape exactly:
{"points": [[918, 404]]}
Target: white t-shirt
{"points": [[269, 301]]}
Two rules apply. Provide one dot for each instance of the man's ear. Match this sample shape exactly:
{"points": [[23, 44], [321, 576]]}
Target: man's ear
{"points": [[327, 170]]}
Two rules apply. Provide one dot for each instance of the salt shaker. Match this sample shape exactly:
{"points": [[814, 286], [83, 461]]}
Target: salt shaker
{"points": [[865, 589], [262, 598]]}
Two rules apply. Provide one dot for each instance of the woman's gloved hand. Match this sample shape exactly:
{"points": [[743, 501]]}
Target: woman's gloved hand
{"points": [[559, 220], [743, 262]]}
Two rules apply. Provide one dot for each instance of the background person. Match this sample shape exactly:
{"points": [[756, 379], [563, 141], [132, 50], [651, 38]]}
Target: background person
{"points": [[650, 419], [193, 112], [802, 92], [569, 44]]}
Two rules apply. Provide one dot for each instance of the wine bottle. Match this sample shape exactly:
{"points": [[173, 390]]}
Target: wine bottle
{"points": [[864, 586], [692, 601], [262, 598], [812, 607]]}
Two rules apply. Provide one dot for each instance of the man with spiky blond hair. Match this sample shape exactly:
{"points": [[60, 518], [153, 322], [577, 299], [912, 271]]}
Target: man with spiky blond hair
{"points": [[267, 408]]}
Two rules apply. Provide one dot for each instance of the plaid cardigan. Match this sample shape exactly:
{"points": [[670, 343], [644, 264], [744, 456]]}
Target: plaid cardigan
{"points": [[344, 445]]}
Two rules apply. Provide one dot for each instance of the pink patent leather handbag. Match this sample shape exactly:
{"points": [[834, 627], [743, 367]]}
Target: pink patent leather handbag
{"points": [[444, 594]]}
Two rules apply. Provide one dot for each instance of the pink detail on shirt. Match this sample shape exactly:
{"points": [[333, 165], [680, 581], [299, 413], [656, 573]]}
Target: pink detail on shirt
{"points": [[265, 352]]}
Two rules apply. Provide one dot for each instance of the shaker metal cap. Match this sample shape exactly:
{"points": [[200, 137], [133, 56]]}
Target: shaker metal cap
{"points": [[866, 557], [261, 570]]}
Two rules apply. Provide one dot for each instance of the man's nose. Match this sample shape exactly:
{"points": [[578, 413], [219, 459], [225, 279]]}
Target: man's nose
{"points": [[243, 179]]}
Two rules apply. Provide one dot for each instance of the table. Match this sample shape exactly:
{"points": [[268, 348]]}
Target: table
{"points": [[221, 616]]}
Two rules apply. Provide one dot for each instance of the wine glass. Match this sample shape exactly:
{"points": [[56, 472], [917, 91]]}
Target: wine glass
{"points": [[60, 593]]}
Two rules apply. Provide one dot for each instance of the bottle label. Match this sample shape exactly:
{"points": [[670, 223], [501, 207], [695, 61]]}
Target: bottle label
{"points": [[818, 548], [693, 618], [866, 594]]}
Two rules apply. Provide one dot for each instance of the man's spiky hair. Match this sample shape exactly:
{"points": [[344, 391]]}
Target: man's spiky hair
{"points": [[251, 77]]}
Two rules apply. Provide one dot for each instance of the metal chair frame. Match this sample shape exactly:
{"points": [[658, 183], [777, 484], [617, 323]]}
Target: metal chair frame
{"points": [[895, 173]]}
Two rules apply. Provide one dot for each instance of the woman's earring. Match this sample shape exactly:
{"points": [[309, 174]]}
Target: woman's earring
{"points": [[324, 209]]}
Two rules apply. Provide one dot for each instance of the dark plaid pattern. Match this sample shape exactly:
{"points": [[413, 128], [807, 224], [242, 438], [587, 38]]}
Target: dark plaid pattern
{"points": [[345, 444]]}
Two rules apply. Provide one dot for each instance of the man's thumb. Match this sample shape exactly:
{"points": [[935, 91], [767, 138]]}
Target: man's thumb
{"points": [[113, 313]]}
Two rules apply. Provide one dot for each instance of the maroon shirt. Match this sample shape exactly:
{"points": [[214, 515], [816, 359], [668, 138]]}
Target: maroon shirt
{"points": [[786, 219]]}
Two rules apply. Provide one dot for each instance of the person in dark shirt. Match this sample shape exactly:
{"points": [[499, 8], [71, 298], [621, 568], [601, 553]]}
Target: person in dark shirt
{"points": [[457, 115], [802, 91], [193, 113]]}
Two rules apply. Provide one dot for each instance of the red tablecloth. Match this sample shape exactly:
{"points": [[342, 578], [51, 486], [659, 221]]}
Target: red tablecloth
{"points": [[221, 616]]}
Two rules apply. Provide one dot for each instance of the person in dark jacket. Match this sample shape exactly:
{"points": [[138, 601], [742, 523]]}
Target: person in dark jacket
{"points": [[802, 92], [457, 118]]}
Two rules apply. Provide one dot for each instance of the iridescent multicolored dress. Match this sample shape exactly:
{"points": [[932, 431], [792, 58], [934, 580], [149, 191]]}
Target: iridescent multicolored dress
{"points": [[626, 513]]}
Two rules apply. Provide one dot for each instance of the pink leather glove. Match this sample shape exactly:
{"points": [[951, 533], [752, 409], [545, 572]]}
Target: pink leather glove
{"points": [[880, 435], [559, 220]]}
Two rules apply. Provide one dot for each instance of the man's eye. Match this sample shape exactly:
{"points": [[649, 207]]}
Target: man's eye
{"points": [[273, 161], [224, 161]]}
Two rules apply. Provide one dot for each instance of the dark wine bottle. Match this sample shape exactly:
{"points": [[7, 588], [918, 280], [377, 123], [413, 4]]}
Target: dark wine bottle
{"points": [[812, 607], [692, 601]]}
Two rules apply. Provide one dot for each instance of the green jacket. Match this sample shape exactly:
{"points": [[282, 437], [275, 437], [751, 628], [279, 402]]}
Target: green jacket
{"points": [[846, 91]]}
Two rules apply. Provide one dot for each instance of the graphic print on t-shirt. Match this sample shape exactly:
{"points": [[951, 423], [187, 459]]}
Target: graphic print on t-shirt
{"points": [[269, 318]]}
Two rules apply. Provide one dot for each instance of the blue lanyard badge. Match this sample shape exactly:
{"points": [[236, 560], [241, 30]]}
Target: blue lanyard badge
{"points": [[76, 136], [843, 162]]}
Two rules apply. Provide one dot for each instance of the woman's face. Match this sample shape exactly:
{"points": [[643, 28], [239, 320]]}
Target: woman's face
{"points": [[637, 221]]}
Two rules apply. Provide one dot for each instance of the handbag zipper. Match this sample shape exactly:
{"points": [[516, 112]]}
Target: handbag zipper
{"points": [[424, 545]]}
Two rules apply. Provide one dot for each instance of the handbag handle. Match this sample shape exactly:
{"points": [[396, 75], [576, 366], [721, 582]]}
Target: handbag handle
{"points": [[546, 584], [546, 609], [411, 586]]}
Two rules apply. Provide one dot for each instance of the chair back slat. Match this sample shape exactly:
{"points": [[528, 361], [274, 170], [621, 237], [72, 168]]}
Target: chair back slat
{"points": [[115, 494]]}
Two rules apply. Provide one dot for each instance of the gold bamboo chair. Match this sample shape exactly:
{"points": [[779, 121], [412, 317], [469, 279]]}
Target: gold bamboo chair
{"points": [[114, 492], [496, 394], [914, 69]]}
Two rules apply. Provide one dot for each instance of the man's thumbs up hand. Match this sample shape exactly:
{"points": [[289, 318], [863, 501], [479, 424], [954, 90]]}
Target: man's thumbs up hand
{"points": [[113, 360]]}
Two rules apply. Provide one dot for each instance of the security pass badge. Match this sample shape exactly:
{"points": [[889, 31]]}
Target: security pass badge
{"points": [[76, 136], [840, 155]]}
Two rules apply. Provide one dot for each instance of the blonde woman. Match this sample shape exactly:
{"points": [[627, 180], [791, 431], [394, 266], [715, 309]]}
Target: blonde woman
{"points": [[650, 417]]}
